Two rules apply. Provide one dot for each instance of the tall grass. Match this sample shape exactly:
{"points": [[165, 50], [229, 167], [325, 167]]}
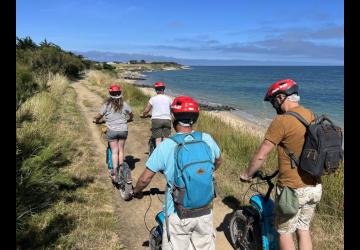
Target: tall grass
{"points": [[99, 81], [61, 200]]}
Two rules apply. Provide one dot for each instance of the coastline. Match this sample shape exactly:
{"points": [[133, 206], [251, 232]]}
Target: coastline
{"points": [[234, 120]]}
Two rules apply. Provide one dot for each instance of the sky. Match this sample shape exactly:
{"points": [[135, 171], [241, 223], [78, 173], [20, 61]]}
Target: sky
{"points": [[306, 32]]}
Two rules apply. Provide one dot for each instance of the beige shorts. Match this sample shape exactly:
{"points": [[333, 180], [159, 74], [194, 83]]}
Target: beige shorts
{"points": [[309, 197], [191, 233], [160, 128]]}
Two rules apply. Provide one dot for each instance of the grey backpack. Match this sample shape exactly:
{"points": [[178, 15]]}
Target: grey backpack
{"points": [[322, 150]]}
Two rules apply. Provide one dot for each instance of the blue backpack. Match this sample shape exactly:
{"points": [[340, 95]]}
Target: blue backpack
{"points": [[193, 185]]}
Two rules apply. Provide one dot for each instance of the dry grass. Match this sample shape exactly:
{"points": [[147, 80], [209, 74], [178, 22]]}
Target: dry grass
{"points": [[83, 216], [101, 78], [131, 94]]}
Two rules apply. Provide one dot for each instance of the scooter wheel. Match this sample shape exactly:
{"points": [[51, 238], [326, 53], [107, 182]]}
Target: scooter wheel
{"points": [[237, 225], [125, 193], [155, 239]]}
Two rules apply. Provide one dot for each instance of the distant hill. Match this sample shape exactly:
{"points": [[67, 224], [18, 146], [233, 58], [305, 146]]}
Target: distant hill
{"points": [[102, 56]]}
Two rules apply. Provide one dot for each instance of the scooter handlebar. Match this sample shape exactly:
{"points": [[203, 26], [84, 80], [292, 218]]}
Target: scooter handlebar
{"points": [[152, 191], [259, 174]]}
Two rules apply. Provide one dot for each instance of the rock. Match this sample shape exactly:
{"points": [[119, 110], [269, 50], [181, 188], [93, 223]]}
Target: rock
{"points": [[208, 107]]}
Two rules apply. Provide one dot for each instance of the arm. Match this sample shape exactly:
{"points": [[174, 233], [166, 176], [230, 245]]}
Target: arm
{"points": [[144, 180], [258, 159], [218, 162], [147, 109], [131, 117], [97, 118]]}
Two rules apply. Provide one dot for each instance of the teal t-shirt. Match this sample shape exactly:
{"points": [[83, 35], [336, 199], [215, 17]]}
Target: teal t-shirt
{"points": [[162, 159]]}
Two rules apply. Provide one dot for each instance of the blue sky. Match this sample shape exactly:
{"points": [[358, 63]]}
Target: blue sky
{"points": [[277, 31]]}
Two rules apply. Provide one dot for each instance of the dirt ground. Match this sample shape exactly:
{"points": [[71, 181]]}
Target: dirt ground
{"points": [[131, 218]]}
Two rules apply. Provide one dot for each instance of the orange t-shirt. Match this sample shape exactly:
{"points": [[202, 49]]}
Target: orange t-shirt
{"points": [[289, 131]]}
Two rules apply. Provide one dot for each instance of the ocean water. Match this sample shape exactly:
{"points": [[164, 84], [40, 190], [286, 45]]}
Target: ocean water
{"points": [[321, 88]]}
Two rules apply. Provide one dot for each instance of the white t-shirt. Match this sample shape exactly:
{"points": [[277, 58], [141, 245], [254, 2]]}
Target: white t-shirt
{"points": [[160, 107]]}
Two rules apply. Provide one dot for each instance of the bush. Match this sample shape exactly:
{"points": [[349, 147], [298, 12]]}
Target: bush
{"points": [[52, 59], [108, 66], [49, 57], [25, 84]]}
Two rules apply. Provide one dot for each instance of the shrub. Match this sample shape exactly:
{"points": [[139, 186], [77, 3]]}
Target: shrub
{"points": [[25, 84], [108, 66]]}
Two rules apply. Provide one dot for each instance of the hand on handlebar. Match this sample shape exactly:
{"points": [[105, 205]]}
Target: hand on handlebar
{"points": [[145, 116], [139, 195], [245, 178], [98, 121]]}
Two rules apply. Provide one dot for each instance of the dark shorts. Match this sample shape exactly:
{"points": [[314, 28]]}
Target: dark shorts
{"points": [[160, 128], [112, 135]]}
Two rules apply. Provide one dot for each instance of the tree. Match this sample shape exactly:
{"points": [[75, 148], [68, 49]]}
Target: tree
{"points": [[25, 43], [45, 43]]}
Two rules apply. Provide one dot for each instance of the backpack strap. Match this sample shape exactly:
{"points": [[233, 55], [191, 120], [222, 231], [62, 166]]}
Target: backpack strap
{"points": [[178, 138], [293, 158], [197, 135], [299, 117], [166, 213]]}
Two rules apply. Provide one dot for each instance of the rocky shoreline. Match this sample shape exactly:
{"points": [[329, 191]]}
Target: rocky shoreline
{"points": [[208, 107], [203, 106]]}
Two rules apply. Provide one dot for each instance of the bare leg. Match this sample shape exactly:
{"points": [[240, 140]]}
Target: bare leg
{"points": [[121, 156], [304, 239], [286, 242], [114, 154], [121, 146]]}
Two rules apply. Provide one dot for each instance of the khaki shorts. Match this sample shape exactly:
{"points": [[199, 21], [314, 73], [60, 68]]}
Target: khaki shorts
{"points": [[309, 197], [190, 233], [160, 128]]}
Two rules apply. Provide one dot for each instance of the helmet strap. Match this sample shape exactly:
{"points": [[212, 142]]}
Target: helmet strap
{"points": [[277, 106], [176, 122], [116, 97], [185, 124]]}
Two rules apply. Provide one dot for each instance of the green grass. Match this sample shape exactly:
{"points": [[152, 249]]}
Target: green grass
{"points": [[61, 200]]}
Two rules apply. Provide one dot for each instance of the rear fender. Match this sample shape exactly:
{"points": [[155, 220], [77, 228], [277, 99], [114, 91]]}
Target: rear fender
{"points": [[265, 208]]}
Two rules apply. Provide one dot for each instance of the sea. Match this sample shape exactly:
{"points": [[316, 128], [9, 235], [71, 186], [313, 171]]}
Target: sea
{"points": [[321, 88]]}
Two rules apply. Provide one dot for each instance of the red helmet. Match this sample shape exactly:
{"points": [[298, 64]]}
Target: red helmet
{"points": [[115, 91], [159, 84], [287, 87], [185, 108]]}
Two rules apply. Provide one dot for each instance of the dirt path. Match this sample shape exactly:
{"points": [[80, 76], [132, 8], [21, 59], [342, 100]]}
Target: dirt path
{"points": [[132, 231]]}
